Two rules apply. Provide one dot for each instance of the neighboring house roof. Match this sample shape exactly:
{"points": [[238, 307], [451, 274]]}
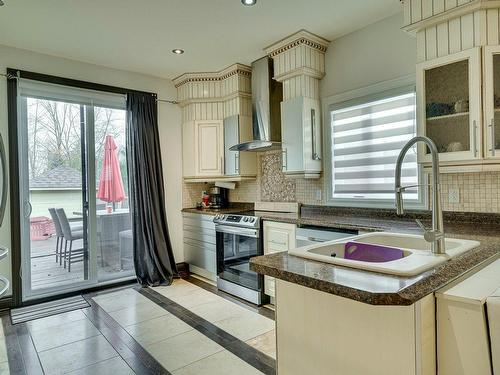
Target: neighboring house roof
{"points": [[61, 177]]}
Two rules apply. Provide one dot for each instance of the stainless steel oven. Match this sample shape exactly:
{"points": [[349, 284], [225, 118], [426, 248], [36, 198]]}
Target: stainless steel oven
{"points": [[238, 239]]}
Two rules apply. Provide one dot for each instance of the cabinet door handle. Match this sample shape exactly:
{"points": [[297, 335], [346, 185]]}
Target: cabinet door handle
{"points": [[314, 152], [474, 137], [237, 163], [492, 130], [284, 162]]}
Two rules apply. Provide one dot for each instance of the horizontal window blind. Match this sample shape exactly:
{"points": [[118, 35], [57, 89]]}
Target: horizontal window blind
{"points": [[366, 140], [67, 94]]}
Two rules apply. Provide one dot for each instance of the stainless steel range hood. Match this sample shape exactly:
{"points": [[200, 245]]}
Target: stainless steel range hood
{"points": [[267, 95]]}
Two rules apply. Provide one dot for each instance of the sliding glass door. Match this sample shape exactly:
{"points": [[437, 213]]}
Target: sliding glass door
{"points": [[76, 225], [52, 144], [111, 213]]}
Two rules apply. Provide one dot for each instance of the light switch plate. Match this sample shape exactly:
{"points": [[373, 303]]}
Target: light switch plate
{"points": [[453, 195]]}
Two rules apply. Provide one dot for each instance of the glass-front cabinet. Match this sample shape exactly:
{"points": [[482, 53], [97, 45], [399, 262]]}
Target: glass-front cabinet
{"points": [[492, 101], [449, 106]]}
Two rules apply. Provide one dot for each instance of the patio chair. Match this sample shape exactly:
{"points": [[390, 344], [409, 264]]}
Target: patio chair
{"points": [[70, 255], [59, 233]]}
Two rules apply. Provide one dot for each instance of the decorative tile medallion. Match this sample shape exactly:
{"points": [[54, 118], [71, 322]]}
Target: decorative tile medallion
{"points": [[275, 187]]}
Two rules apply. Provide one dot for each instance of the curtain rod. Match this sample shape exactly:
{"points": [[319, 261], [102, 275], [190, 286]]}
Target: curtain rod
{"points": [[167, 101], [12, 76]]}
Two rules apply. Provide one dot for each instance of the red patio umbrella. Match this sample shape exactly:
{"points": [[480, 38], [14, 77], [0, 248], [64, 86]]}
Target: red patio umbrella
{"points": [[110, 183]]}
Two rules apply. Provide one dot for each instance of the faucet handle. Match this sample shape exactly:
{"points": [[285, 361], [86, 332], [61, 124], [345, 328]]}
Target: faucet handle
{"points": [[421, 225], [430, 235]]}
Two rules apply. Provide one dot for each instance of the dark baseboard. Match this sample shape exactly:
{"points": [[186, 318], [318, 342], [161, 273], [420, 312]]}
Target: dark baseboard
{"points": [[183, 269], [6, 303]]}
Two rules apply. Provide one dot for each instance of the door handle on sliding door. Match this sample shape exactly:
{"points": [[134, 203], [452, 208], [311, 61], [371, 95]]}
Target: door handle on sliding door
{"points": [[28, 209]]}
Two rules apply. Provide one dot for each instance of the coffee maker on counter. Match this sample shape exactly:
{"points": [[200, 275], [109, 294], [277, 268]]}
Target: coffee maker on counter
{"points": [[218, 197]]}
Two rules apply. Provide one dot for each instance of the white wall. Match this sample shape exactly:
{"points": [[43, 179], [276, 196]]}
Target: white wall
{"points": [[377, 53], [169, 124]]}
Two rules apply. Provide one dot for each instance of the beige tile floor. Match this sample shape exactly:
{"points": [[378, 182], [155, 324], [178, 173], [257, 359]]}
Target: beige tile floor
{"points": [[176, 345], [69, 343], [265, 343], [221, 363], [232, 318]]}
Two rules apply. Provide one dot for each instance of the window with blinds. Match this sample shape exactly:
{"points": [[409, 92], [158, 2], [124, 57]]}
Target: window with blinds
{"points": [[366, 140]]}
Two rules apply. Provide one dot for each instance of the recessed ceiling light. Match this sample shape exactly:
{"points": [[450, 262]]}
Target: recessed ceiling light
{"points": [[177, 51], [248, 2]]}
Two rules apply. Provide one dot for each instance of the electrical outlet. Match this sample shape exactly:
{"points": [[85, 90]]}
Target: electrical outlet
{"points": [[453, 195], [318, 195]]}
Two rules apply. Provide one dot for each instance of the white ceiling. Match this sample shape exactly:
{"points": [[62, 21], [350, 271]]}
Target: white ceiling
{"points": [[138, 35]]}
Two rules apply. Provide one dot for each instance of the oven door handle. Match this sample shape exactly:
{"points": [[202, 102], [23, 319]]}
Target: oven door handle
{"points": [[246, 232]]}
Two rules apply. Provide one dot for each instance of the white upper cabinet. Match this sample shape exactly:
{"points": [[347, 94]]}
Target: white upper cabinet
{"points": [[209, 150], [301, 137], [458, 81], [203, 149], [216, 110], [299, 63], [238, 164], [492, 101], [231, 138], [449, 106]]}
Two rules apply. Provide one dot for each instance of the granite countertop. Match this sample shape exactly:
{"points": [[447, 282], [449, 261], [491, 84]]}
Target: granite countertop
{"points": [[233, 208], [376, 288], [371, 287]]}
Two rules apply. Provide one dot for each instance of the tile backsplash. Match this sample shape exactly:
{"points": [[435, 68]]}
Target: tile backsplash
{"points": [[478, 192], [191, 193]]}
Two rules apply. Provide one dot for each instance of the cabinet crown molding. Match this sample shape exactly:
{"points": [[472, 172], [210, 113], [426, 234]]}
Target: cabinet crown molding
{"points": [[301, 37], [301, 71], [216, 99], [231, 70], [414, 23]]}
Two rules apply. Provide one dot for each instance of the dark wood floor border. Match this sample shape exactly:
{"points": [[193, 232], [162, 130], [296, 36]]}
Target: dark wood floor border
{"points": [[138, 359], [264, 311], [241, 349], [21, 352]]}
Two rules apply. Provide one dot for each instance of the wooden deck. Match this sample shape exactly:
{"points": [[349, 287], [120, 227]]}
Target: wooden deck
{"points": [[46, 272]]}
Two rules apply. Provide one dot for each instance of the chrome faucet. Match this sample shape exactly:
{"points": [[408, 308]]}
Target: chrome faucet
{"points": [[435, 235]]}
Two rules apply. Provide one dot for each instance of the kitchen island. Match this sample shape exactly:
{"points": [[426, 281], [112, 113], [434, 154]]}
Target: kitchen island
{"points": [[338, 320]]}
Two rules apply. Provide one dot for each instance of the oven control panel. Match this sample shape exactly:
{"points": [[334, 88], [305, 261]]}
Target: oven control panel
{"points": [[237, 220]]}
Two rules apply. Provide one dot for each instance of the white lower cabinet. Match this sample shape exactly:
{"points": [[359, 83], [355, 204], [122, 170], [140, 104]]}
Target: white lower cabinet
{"points": [[277, 237], [466, 343], [323, 334], [493, 306], [199, 244]]}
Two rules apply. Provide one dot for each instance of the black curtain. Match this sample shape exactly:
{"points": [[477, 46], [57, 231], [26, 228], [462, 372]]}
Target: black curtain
{"points": [[153, 257]]}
